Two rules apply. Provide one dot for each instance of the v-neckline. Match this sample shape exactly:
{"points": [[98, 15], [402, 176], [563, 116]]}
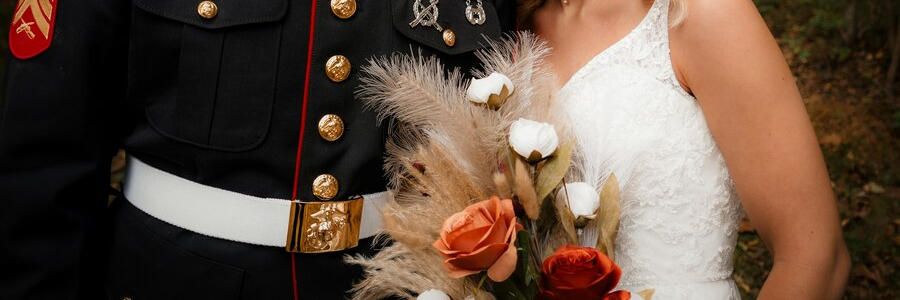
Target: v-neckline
{"points": [[600, 54]]}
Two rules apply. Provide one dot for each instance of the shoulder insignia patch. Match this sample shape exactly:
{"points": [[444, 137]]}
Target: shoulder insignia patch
{"points": [[32, 27]]}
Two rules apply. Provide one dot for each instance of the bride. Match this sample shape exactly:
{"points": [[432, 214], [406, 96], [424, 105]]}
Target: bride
{"points": [[692, 105]]}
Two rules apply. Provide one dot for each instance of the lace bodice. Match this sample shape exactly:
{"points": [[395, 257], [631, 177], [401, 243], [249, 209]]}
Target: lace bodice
{"points": [[679, 210]]}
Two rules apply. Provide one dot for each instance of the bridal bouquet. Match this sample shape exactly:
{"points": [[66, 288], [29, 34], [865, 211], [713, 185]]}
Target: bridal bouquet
{"points": [[486, 199]]}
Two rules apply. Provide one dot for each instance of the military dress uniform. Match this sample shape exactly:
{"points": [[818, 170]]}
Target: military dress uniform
{"points": [[218, 103]]}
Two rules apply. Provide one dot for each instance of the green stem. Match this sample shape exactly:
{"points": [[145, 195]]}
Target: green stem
{"points": [[508, 290], [477, 290], [535, 251]]}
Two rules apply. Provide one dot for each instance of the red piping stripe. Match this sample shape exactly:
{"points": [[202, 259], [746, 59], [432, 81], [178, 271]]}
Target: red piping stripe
{"points": [[309, 56], [294, 276]]}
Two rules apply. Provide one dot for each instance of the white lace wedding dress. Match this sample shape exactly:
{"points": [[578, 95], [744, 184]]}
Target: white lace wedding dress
{"points": [[679, 210]]}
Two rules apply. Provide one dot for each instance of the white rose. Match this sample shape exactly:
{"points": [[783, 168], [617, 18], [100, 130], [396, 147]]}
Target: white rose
{"points": [[533, 140], [433, 294], [583, 199], [492, 90]]}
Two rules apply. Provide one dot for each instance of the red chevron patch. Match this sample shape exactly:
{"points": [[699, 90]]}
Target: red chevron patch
{"points": [[32, 25]]}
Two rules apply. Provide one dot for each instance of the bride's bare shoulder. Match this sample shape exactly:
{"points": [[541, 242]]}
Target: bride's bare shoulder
{"points": [[714, 20], [716, 35]]}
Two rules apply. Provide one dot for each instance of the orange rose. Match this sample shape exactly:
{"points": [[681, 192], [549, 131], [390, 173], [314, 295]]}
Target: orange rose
{"points": [[481, 237], [580, 273]]}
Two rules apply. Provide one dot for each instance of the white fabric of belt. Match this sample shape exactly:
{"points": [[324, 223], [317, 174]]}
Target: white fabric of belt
{"points": [[221, 213]]}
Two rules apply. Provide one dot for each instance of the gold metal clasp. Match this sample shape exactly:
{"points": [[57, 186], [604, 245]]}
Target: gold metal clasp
{"points": [[317, 227]]}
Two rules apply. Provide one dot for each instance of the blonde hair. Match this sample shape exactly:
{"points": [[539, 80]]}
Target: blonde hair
{"points": [[677, 12], [526, 8]]}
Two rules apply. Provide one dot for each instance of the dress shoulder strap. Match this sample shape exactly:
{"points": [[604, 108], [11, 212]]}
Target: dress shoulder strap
{"points": [[659, 17], [657, 35]]}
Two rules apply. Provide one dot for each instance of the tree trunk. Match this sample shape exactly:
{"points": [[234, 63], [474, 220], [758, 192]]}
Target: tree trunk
{"points": [[895, 59], [849, 32]]}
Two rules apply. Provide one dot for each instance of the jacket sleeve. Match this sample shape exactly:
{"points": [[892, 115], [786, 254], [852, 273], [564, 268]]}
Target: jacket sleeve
{"points": [[58, 131]]}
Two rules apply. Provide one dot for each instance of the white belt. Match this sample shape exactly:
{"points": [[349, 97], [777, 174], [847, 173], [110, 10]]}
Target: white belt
{"points": [[225, 214]]}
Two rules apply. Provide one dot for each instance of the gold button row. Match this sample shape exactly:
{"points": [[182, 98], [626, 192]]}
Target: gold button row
{"points": [[331, 126], [343, 9], [337, 68]]}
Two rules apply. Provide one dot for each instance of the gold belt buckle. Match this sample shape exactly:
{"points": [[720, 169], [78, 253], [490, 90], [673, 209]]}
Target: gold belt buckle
{"points": [[318, 227]]}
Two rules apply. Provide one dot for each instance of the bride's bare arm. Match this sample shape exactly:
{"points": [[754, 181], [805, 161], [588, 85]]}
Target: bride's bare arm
{"points": [[726, 56]]}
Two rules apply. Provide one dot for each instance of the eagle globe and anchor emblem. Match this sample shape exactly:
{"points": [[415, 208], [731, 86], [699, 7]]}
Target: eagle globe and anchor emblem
{"points": [[329, 223], [328, 226]]}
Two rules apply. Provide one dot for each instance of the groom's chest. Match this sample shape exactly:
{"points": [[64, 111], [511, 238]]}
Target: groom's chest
{"points": [[214, 78]]}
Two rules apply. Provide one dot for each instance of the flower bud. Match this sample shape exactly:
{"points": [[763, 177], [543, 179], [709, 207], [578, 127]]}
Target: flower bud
{"points": [[492, 90], [583, 199], [533, 140], [433, 294]]}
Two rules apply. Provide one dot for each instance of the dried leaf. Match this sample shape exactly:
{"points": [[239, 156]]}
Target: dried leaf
{"points": [[525, 191], [553, 170], [647, 294], [549, 235], [566, 218], [608, 216]]}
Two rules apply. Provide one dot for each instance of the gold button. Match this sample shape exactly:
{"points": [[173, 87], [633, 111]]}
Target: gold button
{"points": [[449, 37], [343, 9], [337, 68], [207, 9], [325, 187], [331, 127]]}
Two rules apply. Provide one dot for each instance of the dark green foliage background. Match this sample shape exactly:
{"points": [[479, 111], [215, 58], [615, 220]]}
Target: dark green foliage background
{"points": [[846, 56]]}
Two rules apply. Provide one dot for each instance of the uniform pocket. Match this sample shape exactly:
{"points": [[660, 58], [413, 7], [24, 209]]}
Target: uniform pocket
{"points": [[145, 265], [223, 91]]}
